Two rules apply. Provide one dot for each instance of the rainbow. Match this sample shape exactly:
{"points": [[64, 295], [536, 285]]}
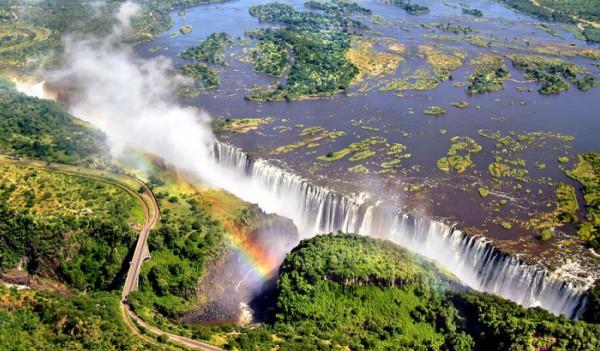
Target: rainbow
{"points": [[263, 264]]}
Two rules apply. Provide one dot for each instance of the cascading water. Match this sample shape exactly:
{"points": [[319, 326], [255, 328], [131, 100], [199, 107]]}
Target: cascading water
{"points": [[316, 209]]}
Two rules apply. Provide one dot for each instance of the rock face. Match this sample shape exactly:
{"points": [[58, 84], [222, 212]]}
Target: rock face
{"points": [[473, 259], [592, 311], [246, 269]]}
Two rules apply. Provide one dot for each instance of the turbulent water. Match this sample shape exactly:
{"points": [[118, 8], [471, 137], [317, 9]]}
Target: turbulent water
{"points": [[316, 209]]}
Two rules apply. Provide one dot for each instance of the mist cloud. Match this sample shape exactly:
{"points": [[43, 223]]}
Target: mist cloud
{"points": [[132, 100]]}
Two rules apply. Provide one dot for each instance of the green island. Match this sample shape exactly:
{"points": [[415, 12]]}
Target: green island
{"points": [[442, 64], [435, 111], [581, 12], [360, 151], [318, 53], [411, 8], [203, 76], [316, 136], [489, 75], [460, 104], [270, 57], [458, 158], [421, 79], [241, 125], [472, 12], [280, 13], [210, 50], [455, 28], [553, 73], [587, 172], [337, 7], [371, 62], [187, 29]]}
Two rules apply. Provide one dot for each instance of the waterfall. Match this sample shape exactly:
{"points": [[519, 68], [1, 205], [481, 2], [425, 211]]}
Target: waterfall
{"points": [[316, 209]]}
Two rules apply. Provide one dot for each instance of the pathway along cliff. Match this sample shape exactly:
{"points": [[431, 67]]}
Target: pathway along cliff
{"points": [[151, 213]]}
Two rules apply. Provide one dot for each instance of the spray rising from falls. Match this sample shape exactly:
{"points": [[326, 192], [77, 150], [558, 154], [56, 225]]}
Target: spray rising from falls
{"points": [[130, 99], [476, 262]]}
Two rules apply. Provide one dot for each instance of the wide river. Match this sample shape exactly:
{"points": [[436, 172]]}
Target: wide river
{"points": [[417, 184]]}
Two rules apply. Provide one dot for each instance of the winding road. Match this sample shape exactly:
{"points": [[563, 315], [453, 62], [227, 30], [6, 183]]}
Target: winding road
{"points": [[141, 253]]}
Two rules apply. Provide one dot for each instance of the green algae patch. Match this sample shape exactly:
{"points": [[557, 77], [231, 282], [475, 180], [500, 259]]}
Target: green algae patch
{"points": [[311, 131], [435, 111], [457, 163], [566, 204]]}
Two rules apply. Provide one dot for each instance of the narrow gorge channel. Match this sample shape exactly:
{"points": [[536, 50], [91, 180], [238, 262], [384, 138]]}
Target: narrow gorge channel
{"points": [[316, 209]]}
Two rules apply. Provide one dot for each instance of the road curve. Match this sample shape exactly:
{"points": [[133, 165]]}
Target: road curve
{"points": [[151, 213]]}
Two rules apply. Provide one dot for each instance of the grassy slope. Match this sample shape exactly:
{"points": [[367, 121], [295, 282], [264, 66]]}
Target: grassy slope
{"points": [[32, 320], [42, 129]]}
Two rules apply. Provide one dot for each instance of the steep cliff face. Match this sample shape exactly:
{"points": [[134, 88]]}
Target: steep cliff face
{"points": [[258, 244], [592, 312]]}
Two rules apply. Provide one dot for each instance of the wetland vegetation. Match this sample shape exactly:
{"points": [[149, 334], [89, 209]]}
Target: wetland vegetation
{"points": [[553, 73], [42, 129], [587, 172], [489, 75], [410, 7], [209, 50], [72, 236]]}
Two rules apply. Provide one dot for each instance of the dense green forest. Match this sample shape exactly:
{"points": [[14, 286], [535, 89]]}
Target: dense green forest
{"points": [[410, 7], [571, 11], [50, 321], [187, 239], [318, 44], [46, 21], [337, 7], [209, 50], [345, 291], [42, 129], [279, 13], [38, 209], [553, 73]]}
